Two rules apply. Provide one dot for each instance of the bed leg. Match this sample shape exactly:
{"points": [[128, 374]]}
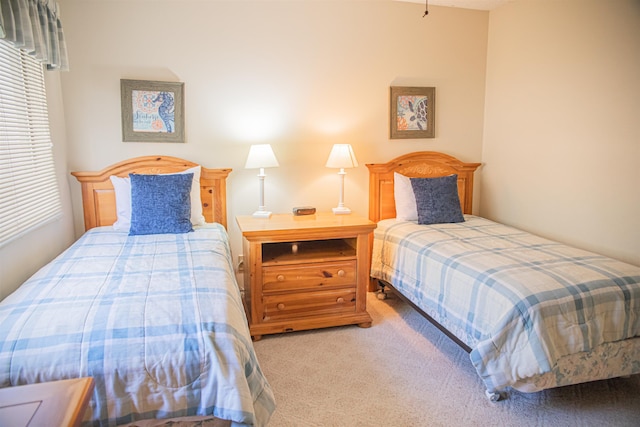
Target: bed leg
{"points": [[493, 396], [381, 294]]}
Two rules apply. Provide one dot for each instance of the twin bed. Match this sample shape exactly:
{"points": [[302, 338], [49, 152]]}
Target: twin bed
{"points": [[155, 318], [533, 313]]}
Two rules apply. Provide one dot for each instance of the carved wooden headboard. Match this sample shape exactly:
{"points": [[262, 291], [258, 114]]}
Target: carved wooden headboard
{"points": [[98, 197], [424, 164]]}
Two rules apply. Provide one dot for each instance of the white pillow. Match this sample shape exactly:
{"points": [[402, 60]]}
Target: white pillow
{"points": [[406, 209], [122, 188]]}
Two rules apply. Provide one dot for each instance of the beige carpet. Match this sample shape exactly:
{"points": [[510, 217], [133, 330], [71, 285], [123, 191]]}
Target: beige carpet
{"points": [[404, 372]]}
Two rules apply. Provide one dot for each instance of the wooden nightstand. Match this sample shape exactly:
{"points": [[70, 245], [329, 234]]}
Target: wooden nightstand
{"points": [[305, 272], [55, 403]]}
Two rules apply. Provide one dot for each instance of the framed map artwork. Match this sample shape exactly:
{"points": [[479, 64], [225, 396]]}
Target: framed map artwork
{"points": [[152, 111], [413, 111]]}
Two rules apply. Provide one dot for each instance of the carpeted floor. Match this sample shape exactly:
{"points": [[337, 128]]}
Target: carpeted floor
{"points": [[404, 372]]}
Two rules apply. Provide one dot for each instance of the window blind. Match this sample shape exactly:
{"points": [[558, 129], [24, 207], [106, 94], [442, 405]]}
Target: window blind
{"points": [[29, 194]]}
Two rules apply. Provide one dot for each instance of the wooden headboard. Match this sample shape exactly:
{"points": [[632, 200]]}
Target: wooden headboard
{"points": [[98, 196], [423, 164]]}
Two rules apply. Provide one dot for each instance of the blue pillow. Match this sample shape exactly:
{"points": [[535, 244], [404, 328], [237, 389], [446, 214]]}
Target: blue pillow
{"points": [[160, 204], [437, 200]]}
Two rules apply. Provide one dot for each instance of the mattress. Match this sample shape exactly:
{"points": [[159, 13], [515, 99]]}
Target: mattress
{"points": [[156, 320], [527, 307]]}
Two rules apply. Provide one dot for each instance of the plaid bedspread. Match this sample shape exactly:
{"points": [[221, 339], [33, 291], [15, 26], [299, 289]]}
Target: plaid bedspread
{"points": [[519, 301], [156, 320]]}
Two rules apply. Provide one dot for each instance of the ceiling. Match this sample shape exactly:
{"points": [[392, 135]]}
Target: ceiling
{"points": [[466, 4]]}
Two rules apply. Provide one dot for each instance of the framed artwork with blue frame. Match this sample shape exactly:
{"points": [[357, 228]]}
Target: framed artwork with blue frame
{"points": [[413, 112], [152, 111]]}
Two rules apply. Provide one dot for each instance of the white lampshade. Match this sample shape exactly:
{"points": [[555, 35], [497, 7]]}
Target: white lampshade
{"points": [[342, 156], [261, 156]]}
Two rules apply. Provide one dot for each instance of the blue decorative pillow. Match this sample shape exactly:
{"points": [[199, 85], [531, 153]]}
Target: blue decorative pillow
{"points": [[160, 204], [437, 200]]}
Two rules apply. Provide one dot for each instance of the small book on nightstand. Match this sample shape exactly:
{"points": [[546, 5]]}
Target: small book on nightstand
{"points": [[304, 210]]}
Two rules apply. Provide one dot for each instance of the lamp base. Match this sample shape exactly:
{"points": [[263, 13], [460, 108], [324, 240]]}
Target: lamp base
{"points": [[341, 210], [261, 214]]}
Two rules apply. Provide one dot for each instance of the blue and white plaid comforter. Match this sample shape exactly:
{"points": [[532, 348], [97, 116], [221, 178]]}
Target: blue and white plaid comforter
{"points": [[156, 320], [519, 301]]}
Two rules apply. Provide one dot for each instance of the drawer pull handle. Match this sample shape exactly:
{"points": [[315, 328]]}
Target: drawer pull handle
{"points": [[341, 273], [280, 306], [340, 300], [326, 274], [280, 277]]}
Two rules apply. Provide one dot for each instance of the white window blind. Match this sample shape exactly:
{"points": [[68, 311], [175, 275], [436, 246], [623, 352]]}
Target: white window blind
{"points": [[29, 193]]}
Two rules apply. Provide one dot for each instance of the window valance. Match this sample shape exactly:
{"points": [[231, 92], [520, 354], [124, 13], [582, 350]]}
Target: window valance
{"points": [[35, 27]]}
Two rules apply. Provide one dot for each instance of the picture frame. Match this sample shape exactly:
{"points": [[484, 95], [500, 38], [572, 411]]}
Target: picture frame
{"points": [[152, 111], [412, 112]]}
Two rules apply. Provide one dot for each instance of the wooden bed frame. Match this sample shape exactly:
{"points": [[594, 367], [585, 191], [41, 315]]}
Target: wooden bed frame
{"points": [[98, 196], [422, 164]]}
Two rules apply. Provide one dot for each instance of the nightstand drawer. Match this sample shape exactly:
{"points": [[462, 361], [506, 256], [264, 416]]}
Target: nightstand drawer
{"points": [[305, 304], [308, 276]]}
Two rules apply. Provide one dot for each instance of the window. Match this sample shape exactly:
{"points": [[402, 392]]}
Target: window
{"points": [[29, 194]]}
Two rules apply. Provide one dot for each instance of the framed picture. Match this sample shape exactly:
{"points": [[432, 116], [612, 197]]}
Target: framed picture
{"points": [[152, 111], [412, 112]]}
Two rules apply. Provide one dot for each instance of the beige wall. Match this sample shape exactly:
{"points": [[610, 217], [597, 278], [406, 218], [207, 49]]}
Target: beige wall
{"points": [[22, 257], [298, 75], [562, 141]]}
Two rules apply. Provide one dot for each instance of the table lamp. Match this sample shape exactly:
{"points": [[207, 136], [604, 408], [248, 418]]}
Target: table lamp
{"points": [[342, 157], [261, 156]]}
